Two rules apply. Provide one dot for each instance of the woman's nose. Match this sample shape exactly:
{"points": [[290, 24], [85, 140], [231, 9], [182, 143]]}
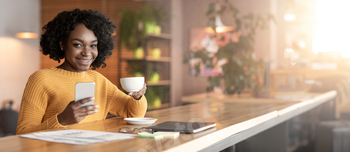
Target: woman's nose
{"points": [[86, 51]]}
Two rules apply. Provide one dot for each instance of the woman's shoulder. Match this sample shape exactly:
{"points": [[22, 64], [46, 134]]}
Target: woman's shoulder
{"points": [[41, 73], [39, 77]]}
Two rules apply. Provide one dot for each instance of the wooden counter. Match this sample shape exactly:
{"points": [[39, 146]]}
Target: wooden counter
{"points": [[236, 121], [248, 98]]}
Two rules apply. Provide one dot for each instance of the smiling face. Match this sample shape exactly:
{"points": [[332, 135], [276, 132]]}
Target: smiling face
{"points": [[80, 49]]}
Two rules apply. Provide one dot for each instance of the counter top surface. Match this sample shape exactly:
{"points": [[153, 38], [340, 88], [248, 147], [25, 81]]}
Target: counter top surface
{"points": [[230, 117]]}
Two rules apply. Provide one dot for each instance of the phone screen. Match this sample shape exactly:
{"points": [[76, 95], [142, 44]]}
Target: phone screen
{"points": [[84, 90]]}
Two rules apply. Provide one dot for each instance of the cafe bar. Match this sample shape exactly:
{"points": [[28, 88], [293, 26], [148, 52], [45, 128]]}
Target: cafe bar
{"points": [[174, 75]]}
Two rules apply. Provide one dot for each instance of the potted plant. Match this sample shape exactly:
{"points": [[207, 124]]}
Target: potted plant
{"points": [[133, 30], [235, 55], [154, 96], [135, 25]]}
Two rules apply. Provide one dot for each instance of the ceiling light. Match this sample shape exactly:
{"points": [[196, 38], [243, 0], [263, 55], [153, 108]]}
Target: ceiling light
{"points": [[26, 35]]}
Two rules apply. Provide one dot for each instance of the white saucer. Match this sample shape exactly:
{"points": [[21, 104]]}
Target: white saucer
{"points": [[140, 121]]}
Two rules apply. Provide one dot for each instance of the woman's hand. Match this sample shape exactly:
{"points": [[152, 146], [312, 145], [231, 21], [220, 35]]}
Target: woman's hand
{"points": [[138, 95], [74, 113]]}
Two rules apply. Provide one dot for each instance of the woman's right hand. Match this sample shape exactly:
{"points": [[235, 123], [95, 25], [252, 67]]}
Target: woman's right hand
{"points": [[74, 113]]}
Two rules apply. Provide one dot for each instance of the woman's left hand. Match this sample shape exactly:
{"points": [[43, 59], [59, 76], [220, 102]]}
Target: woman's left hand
{"points": [[139, 94]]}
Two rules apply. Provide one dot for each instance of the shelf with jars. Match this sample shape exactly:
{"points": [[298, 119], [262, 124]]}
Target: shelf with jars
{"points": [[151, 60]]}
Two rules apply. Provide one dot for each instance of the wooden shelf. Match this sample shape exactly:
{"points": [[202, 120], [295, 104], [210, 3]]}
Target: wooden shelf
{"points": [[161, 35], [162, 106], [150, 64], [161, 59], [148, 58], [159, 83]]}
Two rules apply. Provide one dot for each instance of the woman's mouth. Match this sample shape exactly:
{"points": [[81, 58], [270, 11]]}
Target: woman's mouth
{"points": [[85, 61]]}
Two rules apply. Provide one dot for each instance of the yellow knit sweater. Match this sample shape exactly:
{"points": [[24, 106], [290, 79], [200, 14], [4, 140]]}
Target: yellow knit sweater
{"points": [[48, 92]]}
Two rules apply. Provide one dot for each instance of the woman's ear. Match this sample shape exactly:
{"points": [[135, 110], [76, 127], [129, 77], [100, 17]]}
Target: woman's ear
{"points": [[61, 45]]}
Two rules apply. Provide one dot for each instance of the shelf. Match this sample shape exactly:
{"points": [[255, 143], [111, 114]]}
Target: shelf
{"points": [[161, 59], [147, 64], [159, 83], [162, 36], [162, 106], [148, 58]]}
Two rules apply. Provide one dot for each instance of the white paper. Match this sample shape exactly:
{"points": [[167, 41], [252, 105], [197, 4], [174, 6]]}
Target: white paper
{"points": [[78, 137]]}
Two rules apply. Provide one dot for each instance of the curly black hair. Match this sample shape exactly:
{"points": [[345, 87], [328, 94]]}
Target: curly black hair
{"points": [[60, 27]]}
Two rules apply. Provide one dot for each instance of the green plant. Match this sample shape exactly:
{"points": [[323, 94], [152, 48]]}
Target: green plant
{"points": [[135, 66], [240, 68], [140, 66], [153, 93], [133, 26]]}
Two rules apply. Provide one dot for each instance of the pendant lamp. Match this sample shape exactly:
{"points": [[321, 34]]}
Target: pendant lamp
{"points": [[219, 26]]}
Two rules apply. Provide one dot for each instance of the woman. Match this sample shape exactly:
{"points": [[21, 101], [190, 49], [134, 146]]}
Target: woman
{"points": [[84, 39]]}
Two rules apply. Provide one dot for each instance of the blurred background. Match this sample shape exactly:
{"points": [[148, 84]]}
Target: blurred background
{"points": [[187, 47]]}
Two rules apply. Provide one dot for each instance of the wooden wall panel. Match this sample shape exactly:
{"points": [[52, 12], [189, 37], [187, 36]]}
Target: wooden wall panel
{"points": [[50, 8]]}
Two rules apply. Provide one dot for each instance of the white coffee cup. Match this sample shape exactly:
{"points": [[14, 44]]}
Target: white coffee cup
{"points": [[132, 84]]}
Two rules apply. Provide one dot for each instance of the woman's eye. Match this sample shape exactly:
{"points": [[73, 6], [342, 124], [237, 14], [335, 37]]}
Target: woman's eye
{"points": [[93, 46], [77, 45]]}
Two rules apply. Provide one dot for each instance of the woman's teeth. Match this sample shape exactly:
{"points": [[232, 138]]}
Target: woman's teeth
{"points": [[83, 60]]}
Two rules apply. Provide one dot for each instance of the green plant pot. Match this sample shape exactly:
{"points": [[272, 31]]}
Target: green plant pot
{"points": [[154, 77], [150, 27], [138, 74], [157, 30], [157, 102], [138, 53], [156, 53]]}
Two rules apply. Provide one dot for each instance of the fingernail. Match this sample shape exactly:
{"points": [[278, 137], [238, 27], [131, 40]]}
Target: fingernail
{"points": [[92, 98], [96, 111], [96, 106]]}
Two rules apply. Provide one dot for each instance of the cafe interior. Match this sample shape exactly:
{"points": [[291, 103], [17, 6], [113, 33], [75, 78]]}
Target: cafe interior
{"points": [[272, 75]]}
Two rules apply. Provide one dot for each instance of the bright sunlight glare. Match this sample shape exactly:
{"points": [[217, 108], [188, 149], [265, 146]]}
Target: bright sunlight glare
{"points": [[289, 17], [333, 27]]}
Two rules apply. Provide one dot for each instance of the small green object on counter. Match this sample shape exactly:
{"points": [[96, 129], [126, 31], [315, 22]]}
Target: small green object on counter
{"points": [[149, 135]]}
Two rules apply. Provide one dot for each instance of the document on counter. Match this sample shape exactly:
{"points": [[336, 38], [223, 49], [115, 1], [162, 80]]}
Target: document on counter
{"points": [[78, 137]]}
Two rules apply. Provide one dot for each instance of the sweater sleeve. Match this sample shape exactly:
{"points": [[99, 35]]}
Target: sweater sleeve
{"points": [[33, 108], [30, 117], [124, 106]]}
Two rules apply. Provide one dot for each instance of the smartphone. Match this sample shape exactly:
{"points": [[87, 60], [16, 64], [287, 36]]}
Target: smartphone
{"points": [[84, 90]]}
